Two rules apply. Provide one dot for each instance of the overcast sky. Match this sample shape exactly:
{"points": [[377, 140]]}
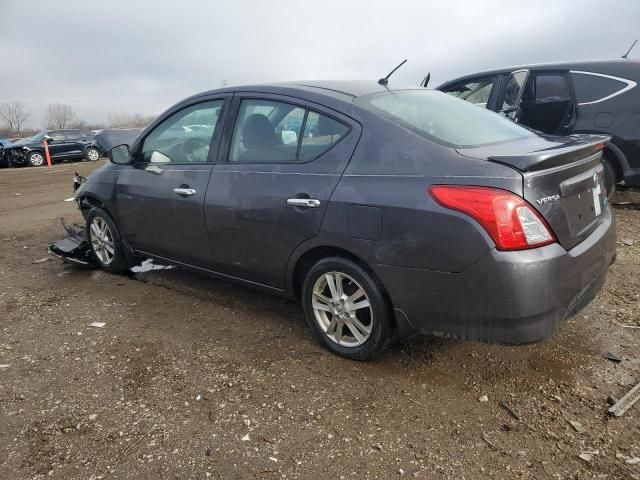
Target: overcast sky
{"points": [[143, 56]]}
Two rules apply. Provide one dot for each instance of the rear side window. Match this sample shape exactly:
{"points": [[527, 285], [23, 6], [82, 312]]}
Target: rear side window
{"points": [[552, 88], [442, 118], [476, 92], [513, 90], [592, 87], [267, 131], [320, 134]]}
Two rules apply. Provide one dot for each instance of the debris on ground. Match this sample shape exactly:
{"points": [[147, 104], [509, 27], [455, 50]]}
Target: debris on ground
{"points": [[5, 365], [510, 409], [588, 455], [577, 426], [148, 266], [41, 260], [97, 324], [626, 402], [483, 398], [612, 356]]}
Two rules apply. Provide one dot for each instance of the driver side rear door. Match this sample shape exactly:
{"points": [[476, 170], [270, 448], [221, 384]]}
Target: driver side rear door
{"points": [[160, 195]]}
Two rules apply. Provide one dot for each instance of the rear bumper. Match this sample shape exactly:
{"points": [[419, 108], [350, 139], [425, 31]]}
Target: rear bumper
{"points": [[507, 297]]}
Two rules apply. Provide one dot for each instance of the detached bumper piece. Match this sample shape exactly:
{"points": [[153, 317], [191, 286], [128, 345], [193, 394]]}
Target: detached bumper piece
{"points": [[74, 249]]}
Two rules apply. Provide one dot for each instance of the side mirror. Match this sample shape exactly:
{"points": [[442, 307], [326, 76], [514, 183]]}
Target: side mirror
{"points": [[120, 154]]}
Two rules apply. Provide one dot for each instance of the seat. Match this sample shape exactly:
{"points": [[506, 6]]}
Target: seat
{"points": [[259, 138]]}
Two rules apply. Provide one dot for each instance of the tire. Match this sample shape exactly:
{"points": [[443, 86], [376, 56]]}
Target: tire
{"points": [[91, 154], [36, 159], [105, 242], [363, 337], [610, 177]]}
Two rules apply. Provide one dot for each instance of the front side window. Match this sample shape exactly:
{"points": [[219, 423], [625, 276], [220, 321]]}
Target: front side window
{"points": [[476, 92], [184, 137], [513, 91], [268, 131], [442, 118], [57, 137], [594, 87]]}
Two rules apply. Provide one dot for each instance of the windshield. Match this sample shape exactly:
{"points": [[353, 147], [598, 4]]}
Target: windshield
{"points": [[38, 137], [442, 118]]}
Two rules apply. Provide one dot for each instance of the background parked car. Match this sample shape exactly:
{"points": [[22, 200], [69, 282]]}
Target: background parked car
{"points": [[568, 98], [63, 145]]}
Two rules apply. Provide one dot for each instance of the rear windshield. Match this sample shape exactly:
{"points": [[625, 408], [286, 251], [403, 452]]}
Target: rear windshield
{"points": [[442, 118]]}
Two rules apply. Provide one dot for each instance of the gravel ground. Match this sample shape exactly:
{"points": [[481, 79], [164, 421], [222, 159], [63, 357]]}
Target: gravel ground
{"points": [[195, 378]]}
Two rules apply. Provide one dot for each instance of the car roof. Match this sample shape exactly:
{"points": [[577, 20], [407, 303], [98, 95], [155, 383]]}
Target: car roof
{"points": [[590, 65], [344, 90]]}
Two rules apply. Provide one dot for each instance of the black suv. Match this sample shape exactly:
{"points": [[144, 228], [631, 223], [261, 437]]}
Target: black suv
{"points": [[63, 145], [568, 98]]}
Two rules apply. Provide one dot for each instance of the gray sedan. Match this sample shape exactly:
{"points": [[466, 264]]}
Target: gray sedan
{"points": [[386, 212]]}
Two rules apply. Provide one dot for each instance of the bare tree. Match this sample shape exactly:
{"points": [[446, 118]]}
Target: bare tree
{"points": [[13, 114], [59, 116]]}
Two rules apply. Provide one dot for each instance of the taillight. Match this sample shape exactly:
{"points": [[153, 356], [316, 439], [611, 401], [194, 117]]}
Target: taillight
{"points": [[510, 220]]}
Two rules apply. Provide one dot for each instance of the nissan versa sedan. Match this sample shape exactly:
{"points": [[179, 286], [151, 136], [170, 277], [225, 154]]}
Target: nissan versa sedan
{"points": [[386, 212]]}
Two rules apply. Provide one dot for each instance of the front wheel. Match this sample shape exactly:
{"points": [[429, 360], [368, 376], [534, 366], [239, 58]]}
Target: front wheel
{"points": [[92, 154], [105, 242], [346, 309], [35, 159]]}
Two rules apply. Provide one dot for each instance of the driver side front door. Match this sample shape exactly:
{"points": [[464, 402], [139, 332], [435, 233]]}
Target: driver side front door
{"points": [[160, 196]]}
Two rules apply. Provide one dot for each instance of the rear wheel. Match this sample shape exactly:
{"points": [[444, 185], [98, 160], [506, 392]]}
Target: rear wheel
{"points": [[105, 242], [35, 159], [346, 309], [610, 177]]}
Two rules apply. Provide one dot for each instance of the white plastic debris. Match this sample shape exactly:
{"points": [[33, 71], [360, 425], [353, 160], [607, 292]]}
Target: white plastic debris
{"points": [[273, 459], [148, 265], [5, 365], [245, 438], [70, 199], [483, 399], [97, 324]]}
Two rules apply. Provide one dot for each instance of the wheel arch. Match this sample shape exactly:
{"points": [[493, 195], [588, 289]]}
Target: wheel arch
{"points": [[617, 158], [312, 255]]}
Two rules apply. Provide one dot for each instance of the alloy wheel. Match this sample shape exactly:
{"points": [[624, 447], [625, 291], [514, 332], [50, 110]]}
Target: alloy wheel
{"points": [[102, 240], [36, 159], [93, 154], [342, 309]]}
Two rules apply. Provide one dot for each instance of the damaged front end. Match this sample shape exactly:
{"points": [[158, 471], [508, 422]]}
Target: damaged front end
{"points": [[75, 248]]}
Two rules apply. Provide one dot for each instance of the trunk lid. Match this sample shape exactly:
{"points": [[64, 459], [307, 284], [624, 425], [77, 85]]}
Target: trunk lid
{"points": [[562, 180]]}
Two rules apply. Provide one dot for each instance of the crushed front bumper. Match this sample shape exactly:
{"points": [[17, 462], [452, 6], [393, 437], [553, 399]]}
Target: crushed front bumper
{"points": [[74, 248]]}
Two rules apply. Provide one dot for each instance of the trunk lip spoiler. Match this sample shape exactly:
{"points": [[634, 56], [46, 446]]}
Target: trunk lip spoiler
{"points": [[554, 157]]}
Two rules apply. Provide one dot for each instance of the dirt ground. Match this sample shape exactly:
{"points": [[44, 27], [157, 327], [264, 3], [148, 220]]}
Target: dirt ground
{"points": [[193, 378]]}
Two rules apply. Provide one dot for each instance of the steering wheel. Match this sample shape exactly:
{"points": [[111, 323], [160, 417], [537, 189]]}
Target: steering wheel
{"points": [[191, 145]]}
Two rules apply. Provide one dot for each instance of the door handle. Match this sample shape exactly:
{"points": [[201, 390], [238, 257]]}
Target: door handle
{"points": [[185, 192], [304, 202]]}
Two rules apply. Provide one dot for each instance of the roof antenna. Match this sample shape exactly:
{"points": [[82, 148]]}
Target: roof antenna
{"points": [[425, 81], [384, 81], [623, 56]]}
